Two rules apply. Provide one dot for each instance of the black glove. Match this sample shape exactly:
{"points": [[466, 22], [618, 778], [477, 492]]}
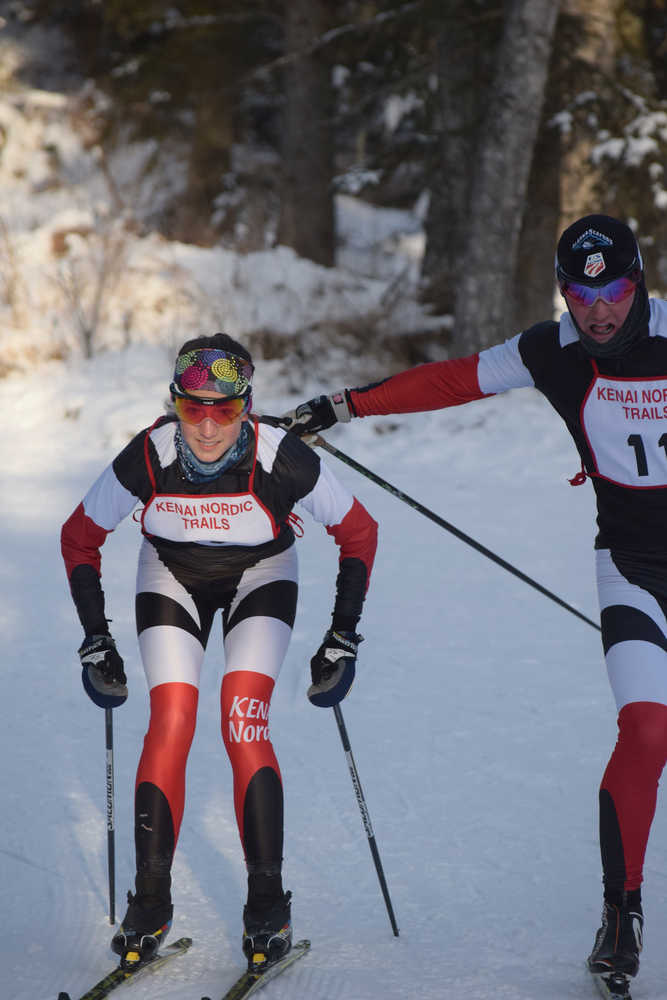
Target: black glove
{"points": [[103, 675], [317, 414], [333, 667]]}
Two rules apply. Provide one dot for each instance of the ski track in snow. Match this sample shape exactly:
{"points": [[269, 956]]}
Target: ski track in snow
{"points": [[480, 722]]}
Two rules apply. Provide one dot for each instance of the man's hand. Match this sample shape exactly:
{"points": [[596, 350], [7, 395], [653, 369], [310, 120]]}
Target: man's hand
{"points": [[103, 674], [317, 414]]}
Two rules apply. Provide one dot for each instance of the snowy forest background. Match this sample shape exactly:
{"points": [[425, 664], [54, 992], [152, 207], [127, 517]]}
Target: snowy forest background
{"points": [[239, 127], [322, 180]]}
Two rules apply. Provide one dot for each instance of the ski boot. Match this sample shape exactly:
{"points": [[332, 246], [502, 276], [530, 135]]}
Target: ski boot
{"points": [[618, 942], [267, 932], [142, 931]]}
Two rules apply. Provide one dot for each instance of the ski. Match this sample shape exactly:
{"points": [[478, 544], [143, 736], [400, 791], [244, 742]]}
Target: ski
{"points": [[613, 986], [251, 982], [119, 976]]}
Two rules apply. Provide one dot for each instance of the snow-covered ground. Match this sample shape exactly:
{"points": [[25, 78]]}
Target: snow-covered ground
{"points": [[480, 719]]}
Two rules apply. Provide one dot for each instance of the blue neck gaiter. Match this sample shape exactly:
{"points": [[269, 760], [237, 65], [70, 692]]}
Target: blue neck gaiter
{"points": [[197, 471]]}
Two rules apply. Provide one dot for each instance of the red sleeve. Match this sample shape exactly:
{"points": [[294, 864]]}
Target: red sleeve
{"points": [[81, 540], [357, 537], [427, 387]]}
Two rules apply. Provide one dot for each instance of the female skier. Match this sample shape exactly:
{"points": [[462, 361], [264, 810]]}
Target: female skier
{"points": [[603, 367], [217, 486]]}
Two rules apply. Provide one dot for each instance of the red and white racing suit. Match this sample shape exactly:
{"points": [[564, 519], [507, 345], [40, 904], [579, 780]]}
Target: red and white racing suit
{"points": [[226, 544], [616, 411]]}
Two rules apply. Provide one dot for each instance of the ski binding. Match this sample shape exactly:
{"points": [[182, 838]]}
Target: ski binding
{"points": [[122, 975], [250, 982]]}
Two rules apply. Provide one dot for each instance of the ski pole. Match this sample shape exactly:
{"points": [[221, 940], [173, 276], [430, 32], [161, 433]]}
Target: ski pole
{"points": [[364, 815], [319, 441], [108, 718]]}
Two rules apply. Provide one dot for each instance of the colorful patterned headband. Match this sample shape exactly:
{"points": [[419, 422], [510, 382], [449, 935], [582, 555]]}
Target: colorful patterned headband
{"points": [[215, 370]]}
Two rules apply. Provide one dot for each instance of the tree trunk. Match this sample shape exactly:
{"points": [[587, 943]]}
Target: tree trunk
{"points": [[465, 43], [484, 300], [534, 273], [534, 277], [563, 179], [307, 208], [595, 57]]}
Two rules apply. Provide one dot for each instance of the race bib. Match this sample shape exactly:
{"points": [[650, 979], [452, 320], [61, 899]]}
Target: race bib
{"points": [[237, 520], [625, 422]]}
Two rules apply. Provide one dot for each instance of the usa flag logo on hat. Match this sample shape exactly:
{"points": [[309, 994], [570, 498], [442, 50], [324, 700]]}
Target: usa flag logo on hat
{"points": [[594, 265]]}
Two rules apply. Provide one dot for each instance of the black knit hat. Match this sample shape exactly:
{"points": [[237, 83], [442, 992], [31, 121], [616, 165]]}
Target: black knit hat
{"points": [[597, 249]]}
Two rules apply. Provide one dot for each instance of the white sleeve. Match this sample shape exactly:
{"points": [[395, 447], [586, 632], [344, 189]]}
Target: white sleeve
{"points": [[329, 501], [107, 501], [501, 368]]}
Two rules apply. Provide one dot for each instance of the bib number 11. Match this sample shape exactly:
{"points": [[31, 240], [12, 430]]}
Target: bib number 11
{"points": [[635, 441]]}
